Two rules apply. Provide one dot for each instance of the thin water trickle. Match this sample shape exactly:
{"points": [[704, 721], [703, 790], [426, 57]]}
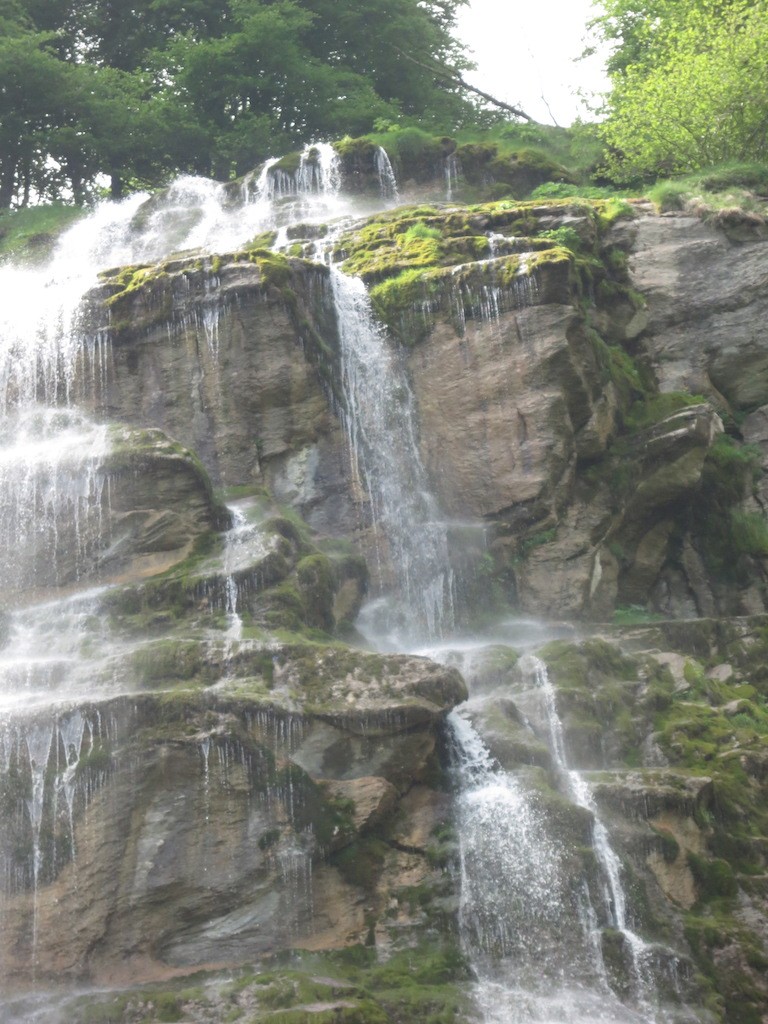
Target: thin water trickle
{"points": [[452, 173], [387, 180]]}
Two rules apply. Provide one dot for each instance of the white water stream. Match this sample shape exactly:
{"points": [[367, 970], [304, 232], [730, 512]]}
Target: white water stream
{"points": [[411, 541], [579, 790]]}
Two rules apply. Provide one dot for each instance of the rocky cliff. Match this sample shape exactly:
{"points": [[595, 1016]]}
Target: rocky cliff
{"points": [[224, 780]]}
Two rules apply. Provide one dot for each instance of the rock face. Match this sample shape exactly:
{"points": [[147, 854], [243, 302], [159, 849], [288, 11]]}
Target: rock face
{"points": [[206, 776], [211, 827], [528, 421], [706, 296], [235, 357], [558, 392]]}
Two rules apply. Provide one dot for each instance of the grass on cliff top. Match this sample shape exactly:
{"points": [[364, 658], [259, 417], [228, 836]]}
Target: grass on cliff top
{"points": [[578, 149], [716, 193], [29, 234]]}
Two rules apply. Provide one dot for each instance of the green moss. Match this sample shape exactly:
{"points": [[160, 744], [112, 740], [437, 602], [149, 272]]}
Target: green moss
{"points": [[167, 1007], [724, 532], [670, 848], [634, 615], [612, 209], [318, 583], [535, 540], [98, 759], [714, 878], [421, 985], [274, 268], [361, 862], [289, 163], [654, 408], [409, 302], [749, 531], [264, 240], [165, 661]]}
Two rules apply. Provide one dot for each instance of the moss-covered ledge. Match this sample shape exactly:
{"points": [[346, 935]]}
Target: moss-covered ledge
{"points": [[479, 260]]}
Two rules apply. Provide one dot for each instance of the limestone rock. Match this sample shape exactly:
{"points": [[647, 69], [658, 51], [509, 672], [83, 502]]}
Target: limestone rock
{"points": [[372, 799], [705, 295], [205, 825], [146, 501], [235, 362], [506, 440]]}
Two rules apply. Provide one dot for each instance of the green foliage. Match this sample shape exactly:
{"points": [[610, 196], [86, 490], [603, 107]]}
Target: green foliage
{"points": [[655, 408], [568, 237], [142, 91], [536, 540], [690, 85], [714, 878], [619, 367], [725, 532], [361, 862], [422, 230], [750, 532], [578, 148], [563, 190], [714, 192]]}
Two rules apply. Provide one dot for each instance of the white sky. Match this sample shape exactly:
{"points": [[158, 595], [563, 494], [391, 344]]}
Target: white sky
{"points": [[526, 48]]}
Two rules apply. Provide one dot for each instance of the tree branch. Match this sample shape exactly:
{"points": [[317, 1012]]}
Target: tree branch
{"points": [[457, 80]]}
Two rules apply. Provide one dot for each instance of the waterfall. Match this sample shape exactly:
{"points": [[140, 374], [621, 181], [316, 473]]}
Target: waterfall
{"points": [[452, 173], [526, 917], [579, 791], [410, 540], [280, 196], [387, 179], [525, 920], [244, 545]]}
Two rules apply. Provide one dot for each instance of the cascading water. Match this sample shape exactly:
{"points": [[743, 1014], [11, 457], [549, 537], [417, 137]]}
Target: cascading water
{"points": [[527, 927], [51, 494], [524, 917], [387, 179], [533, 920], [245, 544], [410, 538], [578, 789], [452, 173], [53, 491]]}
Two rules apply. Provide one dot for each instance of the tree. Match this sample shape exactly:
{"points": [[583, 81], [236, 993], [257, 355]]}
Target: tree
{"points": [[691, 95], [142, 91], [36, 92]]}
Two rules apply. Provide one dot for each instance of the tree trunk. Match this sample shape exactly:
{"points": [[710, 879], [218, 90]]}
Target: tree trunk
{"points": [[7, 181]]}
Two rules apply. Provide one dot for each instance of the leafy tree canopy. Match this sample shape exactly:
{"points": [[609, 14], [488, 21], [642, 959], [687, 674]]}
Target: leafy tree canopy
{"points": [[689, 84], [142, 91]]}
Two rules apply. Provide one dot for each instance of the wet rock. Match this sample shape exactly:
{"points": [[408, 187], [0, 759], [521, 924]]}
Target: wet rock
{"points": [[135, 508], [204, 825], [256, 337]]}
